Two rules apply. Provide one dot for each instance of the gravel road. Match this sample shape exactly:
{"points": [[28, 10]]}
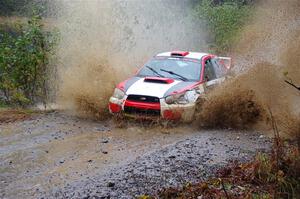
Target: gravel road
{"points": [[59, 156]]}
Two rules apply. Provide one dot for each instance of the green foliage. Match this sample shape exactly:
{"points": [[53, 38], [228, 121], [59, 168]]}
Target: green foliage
{"points": [[2, 104], [224, 20], [22, 7], [18, 98], [23, 62], [11, 6]]}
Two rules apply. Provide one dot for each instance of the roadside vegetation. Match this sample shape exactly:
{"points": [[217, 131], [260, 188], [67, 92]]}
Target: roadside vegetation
{"points": [[25, 50], [21, 8], [224, 20]]}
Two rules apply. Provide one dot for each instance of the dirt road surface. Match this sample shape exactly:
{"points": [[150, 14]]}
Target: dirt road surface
{"points": [[54, 155]]}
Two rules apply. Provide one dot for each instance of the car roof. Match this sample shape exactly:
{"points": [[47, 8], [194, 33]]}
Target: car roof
{"points": [[191, 55]]}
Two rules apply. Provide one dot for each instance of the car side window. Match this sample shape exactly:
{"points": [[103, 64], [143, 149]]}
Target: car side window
{"points": [[209, 72]]}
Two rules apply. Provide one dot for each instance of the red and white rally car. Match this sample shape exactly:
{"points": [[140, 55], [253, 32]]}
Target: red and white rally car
{"points": [[169, 85]]}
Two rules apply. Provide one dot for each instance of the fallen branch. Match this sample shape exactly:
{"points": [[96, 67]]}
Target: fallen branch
{"points": [[293, 85]]}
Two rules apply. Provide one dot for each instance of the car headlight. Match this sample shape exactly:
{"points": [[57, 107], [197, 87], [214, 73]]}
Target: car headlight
{"points": [[177, 99], [118, 93]]}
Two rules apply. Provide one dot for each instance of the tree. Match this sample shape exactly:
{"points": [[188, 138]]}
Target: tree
{"points": [[224, 19], [23, 63]]}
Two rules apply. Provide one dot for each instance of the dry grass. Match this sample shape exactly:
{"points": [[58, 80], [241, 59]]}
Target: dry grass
{"points": [[13, 115]]}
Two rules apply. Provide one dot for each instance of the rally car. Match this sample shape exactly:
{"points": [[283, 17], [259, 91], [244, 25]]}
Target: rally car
{"points": [[169, 85]]}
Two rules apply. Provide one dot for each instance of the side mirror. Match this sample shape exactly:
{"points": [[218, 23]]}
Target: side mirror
{"points": [[198, 91], [214, 82]]}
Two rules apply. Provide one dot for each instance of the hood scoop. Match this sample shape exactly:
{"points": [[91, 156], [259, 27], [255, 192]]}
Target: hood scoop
{"points": [[160, 80]]}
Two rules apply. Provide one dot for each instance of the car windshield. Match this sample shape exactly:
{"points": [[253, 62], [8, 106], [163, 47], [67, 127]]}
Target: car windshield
{"points": [[176, 68]]}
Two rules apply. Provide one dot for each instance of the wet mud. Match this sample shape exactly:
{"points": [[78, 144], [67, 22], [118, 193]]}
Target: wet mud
{"points": [[186, 161], [61, 156]]}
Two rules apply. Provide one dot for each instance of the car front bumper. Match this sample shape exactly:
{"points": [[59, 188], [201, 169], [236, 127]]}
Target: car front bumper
{"points": [[162, 110]]}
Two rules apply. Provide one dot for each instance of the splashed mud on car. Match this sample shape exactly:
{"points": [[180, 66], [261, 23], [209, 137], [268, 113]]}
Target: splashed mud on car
{"points": [[169, 85]]}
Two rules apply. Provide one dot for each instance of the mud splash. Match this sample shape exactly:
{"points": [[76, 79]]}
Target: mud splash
{"points": [[103, 42], [267, 55], [85, 90], [238, 109]]}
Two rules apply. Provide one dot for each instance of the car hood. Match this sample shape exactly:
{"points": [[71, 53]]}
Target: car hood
{"points": [[138, 86]]}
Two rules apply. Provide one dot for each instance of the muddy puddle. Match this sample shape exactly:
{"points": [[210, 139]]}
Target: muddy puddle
{"points": [[55, 149]]}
